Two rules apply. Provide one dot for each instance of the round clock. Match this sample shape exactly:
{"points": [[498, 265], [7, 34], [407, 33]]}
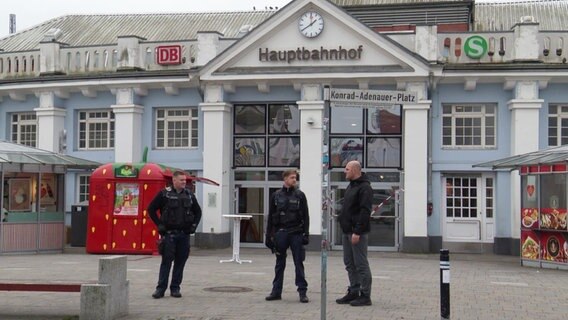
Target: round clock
{"points": [[310, 24]]}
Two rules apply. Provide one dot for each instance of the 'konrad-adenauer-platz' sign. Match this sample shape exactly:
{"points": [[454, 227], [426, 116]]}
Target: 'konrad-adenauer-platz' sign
{"points": [[365, 98]]}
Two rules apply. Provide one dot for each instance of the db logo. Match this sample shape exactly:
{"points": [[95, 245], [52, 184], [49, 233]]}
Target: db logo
{"points": [[167, 55]]}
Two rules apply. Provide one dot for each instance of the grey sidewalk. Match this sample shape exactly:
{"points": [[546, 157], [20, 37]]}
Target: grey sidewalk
{"points": [[404, 287]]}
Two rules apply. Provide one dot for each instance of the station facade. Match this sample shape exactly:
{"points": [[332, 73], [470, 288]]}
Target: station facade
{"points": [[238, 97]]}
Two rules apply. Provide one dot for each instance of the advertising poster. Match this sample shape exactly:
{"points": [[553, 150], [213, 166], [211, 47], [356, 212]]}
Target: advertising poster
{"points": [[530, 246], [554, 247], [126, 199]]}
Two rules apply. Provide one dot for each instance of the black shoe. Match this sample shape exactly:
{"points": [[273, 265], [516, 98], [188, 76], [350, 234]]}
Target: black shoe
{"points": [[158, 294], [175, 294], [304, 298], [273, 296], [363, 300], [350, 296]]}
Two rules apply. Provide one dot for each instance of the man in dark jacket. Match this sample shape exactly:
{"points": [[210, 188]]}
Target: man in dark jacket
{"points": [[179, 216], [288, 226], [355, 224]]}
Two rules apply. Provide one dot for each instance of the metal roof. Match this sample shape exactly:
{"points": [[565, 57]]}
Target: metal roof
{"points": [[88, 30], [357, 3], [552, 155], [16, 153], [503, 15]]}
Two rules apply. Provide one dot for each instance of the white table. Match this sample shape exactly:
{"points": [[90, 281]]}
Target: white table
{"points": [[236, 236]]}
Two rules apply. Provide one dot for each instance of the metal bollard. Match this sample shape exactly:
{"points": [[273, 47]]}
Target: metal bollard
{"points": [[445, 283]]}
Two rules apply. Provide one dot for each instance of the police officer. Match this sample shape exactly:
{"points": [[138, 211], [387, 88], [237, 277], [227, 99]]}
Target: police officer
{"points": [[288, 227], [179, 216]]}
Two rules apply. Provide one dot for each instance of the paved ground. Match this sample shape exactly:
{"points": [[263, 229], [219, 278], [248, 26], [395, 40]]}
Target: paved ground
{"points": [[405, 286]]}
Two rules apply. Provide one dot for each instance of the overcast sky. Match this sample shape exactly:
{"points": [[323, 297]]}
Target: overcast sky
{"points": [[30, 13]]}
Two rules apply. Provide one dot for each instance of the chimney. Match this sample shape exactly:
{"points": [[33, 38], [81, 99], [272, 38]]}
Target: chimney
{"points": [[12, 23]]}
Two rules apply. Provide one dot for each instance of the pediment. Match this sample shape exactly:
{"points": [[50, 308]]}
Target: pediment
{"points": [[277, 49]]}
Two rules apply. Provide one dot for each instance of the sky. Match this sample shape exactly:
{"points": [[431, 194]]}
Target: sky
{"points": [[30, 13]]}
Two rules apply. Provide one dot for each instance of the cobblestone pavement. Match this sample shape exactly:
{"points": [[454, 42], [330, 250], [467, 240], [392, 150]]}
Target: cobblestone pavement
{"points": [[405, 286]]}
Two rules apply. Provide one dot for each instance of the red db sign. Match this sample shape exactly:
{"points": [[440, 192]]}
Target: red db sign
{"points": [[168, 55]]}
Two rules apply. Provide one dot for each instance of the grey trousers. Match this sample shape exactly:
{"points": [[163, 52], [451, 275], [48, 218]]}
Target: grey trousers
{"points": [[357, 264]]}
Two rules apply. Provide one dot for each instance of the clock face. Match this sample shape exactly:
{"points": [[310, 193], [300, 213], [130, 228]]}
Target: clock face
{"points": [[311, 24]]}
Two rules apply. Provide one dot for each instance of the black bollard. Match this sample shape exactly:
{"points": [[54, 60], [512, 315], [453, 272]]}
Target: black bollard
{"points": [[445, 283]]}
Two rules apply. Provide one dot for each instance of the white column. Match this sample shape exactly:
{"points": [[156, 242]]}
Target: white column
{"points": [[415, 147], [415, 168], [525, 110], [127, 127], [311, 115], [51, 123], [217, 147]]}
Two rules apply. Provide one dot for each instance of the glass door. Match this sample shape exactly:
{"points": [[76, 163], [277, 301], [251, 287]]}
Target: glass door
{"points": [[469, 202], [384, 220], [250, 201]]}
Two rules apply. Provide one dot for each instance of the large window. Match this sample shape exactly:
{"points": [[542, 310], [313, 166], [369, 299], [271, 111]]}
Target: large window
{"points": [[267, 135], [557, 125], [83, 187], [469, 126], [371, 136], [24, 128], [176, 128], [96, 129]]}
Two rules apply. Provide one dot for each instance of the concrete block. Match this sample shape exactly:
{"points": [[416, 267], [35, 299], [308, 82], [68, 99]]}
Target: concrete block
{"points": [[95, 302], [112, 271]]}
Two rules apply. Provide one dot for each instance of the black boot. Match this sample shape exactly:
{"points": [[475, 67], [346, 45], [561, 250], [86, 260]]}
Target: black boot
{"points": [[304, 298], [273, 296], [158, 294], [363, 300], [350, 296]]}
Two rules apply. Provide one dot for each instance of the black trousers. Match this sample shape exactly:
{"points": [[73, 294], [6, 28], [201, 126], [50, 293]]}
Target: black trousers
{"points": [[176, 251], [282, 241]]}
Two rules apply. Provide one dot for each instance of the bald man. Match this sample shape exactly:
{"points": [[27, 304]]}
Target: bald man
{"points": [[354, 220]]}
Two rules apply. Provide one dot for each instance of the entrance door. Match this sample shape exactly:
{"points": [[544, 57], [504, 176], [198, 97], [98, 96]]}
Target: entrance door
{"points": [[250, 201], [253, 200], [469, 204], [384, 220]]}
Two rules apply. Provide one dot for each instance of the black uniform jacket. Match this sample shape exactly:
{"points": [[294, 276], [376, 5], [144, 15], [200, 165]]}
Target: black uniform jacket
{"points": [[303, 222], [355, 213], [159, 203]]}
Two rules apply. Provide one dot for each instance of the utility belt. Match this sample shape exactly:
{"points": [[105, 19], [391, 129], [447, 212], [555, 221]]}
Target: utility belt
{"points": [[174, 231], [296, 229]]}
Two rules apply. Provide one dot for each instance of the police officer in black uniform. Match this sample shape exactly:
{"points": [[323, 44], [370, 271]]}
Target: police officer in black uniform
{"points": [[288, 227], [179, 216]]}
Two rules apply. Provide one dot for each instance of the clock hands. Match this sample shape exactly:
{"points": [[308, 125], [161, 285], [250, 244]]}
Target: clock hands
{"points": [[309, 25]]}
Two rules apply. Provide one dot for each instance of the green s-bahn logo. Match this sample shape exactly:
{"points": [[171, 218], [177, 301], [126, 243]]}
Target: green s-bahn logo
{"points": [[475, 47]]}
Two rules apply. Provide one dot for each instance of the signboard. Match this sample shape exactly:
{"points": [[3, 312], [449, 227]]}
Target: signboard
{"points": [[369, 98], [168, 55], [475, 47]]}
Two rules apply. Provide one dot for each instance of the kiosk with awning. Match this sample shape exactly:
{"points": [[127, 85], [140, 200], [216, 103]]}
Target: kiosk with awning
{"points": [[543, 216], [119, 195], [32, 203]]}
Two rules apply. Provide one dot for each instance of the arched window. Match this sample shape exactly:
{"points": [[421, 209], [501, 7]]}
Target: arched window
{"points": [[114, 58], [87, 60], [77, 61], [1, 65], [9, 65], [68, 61], [16, 65], [32, 64], [96, 59], [148, 58], [105, 59]]}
